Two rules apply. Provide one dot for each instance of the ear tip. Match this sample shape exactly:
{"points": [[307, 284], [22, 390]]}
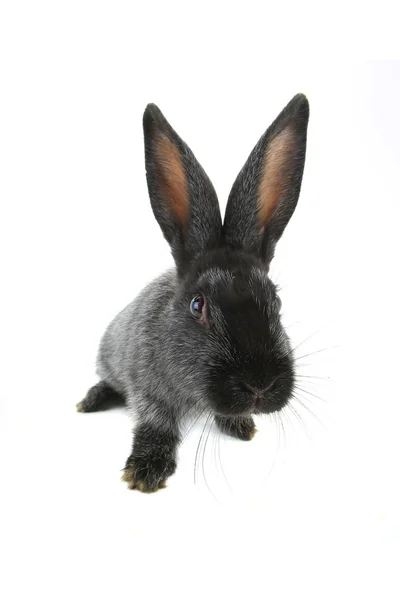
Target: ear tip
{"points": [[299, 106], [151, 109], [152, 114], [300, 98]]}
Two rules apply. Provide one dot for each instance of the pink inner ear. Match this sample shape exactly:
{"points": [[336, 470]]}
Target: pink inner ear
{"points": [[172, 178], [274, 174]]}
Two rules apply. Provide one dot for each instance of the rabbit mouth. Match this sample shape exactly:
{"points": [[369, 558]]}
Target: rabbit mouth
{"points": [[258, 405], [260, 397], [254, 404], [245, 395]]}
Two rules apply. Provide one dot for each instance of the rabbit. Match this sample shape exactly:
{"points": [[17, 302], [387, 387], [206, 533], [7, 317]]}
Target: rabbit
{"points": [[206, 336]]}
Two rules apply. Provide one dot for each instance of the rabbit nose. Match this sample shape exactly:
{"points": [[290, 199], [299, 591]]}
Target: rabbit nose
{"points": [[257, 392]]}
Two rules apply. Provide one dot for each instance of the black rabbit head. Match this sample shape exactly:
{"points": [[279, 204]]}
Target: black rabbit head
{"points": [[227, 339]]}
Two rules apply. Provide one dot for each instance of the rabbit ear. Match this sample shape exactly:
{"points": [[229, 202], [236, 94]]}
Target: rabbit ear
{"points": [[266, 190], [183, 199]]}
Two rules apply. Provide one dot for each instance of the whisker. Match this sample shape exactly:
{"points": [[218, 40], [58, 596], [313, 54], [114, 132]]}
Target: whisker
{"points": [[307, 400], [270, 470], [187, 410], [304, 341], [299, 419], [301, 365], [280, 414], [278, 445], [316, 352], [315, 385], [292, 324], [313, 377], [307, 408], [204, 453], [278, 439], [214, 444], [196, 420], [220, 461], [214, 448], [298, 387], [198, 450]]}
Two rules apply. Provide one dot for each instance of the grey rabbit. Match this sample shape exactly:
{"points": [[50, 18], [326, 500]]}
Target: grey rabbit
{"points": [[205, 337]]}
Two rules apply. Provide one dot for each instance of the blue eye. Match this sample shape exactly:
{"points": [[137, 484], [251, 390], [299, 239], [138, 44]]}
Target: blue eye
{"points": [[196, 306]]}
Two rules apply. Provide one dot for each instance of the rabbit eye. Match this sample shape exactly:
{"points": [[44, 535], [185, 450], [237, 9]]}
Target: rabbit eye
{"points": [[197, 305]]}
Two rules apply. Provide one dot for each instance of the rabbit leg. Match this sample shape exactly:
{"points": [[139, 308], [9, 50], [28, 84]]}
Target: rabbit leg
{"points": [[100, 397], [153, 458], [239, 427]]}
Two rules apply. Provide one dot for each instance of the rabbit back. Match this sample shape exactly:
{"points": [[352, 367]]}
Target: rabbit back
{"points": [[129, 350]]}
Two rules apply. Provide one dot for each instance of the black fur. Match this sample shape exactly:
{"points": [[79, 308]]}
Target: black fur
{"points": [[100, 397], [153, 458], [240, 224], [205, 223], [256, 348]]}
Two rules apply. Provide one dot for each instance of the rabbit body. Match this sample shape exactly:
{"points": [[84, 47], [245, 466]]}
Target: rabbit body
{"points": [[205, 337]]}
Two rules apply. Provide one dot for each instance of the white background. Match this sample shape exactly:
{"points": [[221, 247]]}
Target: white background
{"points": [[311, 511]]}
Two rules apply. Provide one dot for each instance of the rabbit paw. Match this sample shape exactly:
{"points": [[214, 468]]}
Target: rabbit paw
{"points": [[100, 397], [242, 428], [147, 475]]}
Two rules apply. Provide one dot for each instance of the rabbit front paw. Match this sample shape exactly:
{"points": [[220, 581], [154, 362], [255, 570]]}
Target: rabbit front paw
{"points": [[147, 474], [242, 428]]}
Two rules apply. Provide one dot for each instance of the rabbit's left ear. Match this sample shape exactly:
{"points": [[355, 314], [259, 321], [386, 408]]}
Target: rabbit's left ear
{"points": [[266, 190], [183, 199]]}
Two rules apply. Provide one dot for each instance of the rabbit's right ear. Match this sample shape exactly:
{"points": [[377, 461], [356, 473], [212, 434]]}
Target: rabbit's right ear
{"points": [[265, 193], [183, 199]]}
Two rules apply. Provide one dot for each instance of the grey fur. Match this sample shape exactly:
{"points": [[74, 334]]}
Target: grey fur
{"points": [[135, 356]]}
